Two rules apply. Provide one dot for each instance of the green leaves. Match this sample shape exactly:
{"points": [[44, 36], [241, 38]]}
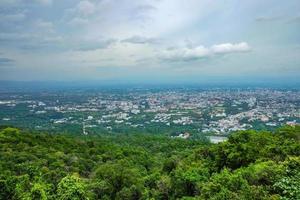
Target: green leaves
{"points": [[71, 188], [186, 179], [288, 185], [39, 192], [117, 176], [250, 165]]}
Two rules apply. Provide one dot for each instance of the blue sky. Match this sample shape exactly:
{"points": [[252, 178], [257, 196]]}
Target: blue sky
{"points": [[159, 40]]}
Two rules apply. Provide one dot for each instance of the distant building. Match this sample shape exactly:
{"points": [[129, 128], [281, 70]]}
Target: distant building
{"points": [[185, 135]]}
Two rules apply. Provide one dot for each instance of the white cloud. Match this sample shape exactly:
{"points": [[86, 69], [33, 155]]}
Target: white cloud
{"points": [[85, 8], [193, 53], [185, 53], [126, 18], [129, 53], [113, 53], [230, 48]]}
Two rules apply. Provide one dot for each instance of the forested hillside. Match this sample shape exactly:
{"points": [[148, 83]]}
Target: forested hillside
{"points": [[250, 165]]}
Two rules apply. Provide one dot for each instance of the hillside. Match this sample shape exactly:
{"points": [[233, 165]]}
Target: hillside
{"points": [[250, 165]]}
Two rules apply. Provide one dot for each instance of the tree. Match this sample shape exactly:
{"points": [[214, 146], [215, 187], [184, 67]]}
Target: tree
{"points": [[288, 186], [71, 188], [38, 192]]}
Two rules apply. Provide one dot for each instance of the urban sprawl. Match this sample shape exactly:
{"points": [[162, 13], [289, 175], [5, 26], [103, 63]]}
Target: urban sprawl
{"points": [[177, 112]]}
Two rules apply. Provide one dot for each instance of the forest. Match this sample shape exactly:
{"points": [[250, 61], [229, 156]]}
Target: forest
{"points": [[249, 165]]}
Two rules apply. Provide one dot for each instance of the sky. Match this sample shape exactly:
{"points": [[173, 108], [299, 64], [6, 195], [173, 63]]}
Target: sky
{"points": [[149, 40]]}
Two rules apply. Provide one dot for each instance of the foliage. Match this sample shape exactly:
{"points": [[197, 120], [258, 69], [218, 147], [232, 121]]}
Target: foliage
{"points": [[250, 165]]}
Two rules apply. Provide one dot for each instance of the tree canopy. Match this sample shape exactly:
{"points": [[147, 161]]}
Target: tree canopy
{"points": [[250, 165]]}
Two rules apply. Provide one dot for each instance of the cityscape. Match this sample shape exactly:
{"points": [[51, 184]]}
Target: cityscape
{"points": [[177, 112], [149, 100]]}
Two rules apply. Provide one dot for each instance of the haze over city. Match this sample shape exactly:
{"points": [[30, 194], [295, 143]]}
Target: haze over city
{"points": [[150, 40]]}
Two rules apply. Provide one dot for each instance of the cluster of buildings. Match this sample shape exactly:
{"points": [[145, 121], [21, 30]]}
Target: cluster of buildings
{"points": [[216, 111]]}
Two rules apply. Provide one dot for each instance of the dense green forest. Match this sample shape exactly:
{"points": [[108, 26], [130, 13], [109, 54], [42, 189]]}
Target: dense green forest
{"points": [[250, 165]]}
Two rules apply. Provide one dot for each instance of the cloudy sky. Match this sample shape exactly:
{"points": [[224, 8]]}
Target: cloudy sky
{"points": [[143, 40]]}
